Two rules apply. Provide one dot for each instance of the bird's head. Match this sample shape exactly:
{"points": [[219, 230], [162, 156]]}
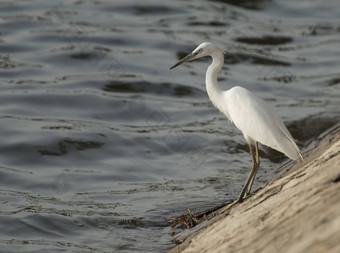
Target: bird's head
{"points": [[205, 49]]}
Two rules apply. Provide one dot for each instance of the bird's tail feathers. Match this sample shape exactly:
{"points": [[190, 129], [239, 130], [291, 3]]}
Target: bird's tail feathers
{"points": [[290, 148]]}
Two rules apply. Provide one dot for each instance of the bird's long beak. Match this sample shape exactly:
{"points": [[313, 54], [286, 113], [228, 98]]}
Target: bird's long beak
{"points": [[187, 58]]}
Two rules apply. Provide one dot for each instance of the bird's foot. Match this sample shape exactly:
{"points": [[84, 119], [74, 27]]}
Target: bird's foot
{"points": [[247, 195], [227, 207]]}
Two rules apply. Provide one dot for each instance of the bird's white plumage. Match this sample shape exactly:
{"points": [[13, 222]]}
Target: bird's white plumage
{"points": [[258, 122], [250, 114]]}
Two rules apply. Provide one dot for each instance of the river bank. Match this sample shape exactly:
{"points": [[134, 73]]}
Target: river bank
{"points": [[295, 212]]}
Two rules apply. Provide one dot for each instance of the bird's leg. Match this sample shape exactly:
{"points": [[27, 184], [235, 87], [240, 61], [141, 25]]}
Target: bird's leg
{"points": [[257, 166], [249, 179], [251, 174], [257, 153]]}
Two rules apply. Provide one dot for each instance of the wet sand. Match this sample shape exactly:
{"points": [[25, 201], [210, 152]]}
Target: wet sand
{"points": [[296, 212]]}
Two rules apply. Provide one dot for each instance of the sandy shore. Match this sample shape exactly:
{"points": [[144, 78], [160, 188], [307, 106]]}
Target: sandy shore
{"points": [[297, 212]]}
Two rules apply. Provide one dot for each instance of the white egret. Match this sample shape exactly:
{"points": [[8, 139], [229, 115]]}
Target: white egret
{"points": [[250, 114]]}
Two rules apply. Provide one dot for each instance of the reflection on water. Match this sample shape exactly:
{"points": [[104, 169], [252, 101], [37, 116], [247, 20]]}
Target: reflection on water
{"points": [[101, 142]]}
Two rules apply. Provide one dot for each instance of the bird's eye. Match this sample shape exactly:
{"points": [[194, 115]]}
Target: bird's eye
{"points": [[200, 50]]}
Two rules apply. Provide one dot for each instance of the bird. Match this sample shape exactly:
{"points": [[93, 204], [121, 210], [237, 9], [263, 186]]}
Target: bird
{"points": [[250, 114]]}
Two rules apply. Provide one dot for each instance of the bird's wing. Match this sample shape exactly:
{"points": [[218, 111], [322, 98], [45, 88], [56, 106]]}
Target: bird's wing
{"points": [[257, 121]]}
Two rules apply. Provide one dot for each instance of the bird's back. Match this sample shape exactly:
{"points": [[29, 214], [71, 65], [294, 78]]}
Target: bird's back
{"points": [[258, 122]]}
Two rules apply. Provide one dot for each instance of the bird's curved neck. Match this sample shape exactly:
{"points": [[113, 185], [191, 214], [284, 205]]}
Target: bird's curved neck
{"points": [[213, 89]]}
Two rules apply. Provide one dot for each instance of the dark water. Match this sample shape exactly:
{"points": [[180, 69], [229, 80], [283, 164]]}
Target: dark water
{"points": [[101, 143]]}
